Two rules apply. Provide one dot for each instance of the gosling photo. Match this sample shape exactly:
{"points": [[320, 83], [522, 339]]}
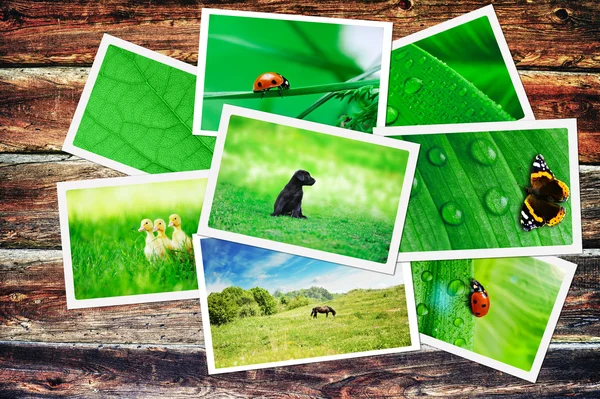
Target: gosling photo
{"points": [[128, 240], [309, 190], [262, 308]]}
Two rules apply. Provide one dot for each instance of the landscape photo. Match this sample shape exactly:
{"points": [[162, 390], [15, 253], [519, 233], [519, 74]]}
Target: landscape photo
{"points": [[263, 308]]}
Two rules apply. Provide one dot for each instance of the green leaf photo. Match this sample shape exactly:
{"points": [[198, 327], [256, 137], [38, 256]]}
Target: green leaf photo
{"points": [[135, 114], [523, 298], [318, 69], [460, 71], [472, 183]]}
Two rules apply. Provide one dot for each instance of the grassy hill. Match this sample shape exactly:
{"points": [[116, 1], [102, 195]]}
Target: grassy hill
{"points": [[366, 320]]}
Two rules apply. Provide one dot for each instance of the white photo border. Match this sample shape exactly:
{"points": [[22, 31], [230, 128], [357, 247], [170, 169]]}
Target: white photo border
{"points": [[108, 40], [570, 124], [487, 11], [62, 188], [531, 376], [203, 48], [387, 267], [210, 357]]}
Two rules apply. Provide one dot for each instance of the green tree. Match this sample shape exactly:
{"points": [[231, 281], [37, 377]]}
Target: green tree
{"points": [[247, 305], [266, 302], [284, 300], [221, 308], [297, 302]]}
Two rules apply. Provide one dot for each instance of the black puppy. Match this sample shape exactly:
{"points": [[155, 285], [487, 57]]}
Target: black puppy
{"points": [[289, 200]]}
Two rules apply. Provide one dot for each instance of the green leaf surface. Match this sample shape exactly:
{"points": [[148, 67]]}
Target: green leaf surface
{"points": [[481, 176], [442, 299], [140, 114]]}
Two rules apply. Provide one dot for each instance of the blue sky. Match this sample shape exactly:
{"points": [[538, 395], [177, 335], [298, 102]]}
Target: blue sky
{"points": [[227, 263]]}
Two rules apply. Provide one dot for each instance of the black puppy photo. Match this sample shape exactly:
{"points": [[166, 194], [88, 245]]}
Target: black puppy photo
{"points": [[289, 200]]}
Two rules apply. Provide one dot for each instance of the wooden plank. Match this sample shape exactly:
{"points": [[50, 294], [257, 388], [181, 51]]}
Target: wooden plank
{"points": [[29, 209], [38, 104], [180, 372], [68, 33], [33, 308]]}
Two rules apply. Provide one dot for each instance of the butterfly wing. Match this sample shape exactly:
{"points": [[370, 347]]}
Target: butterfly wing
{"points": [[544, 184], [537, 213]]}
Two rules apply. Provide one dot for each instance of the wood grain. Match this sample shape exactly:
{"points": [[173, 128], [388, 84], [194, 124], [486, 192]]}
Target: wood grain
{"points": [[38, 104], [67, 33], [180, 372]]}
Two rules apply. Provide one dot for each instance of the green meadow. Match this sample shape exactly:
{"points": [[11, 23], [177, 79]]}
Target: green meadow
{"points": [[350, 210], [107, 251], [366, 320]]}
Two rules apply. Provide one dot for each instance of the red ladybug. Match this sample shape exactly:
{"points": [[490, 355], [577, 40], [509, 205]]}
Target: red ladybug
{"points": [[480, 300], [270, 80]]}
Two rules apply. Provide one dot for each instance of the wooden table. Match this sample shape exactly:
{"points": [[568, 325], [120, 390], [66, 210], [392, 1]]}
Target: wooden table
{"points": [[46, 49]]}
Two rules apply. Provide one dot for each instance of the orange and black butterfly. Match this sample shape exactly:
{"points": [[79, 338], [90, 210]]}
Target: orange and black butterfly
{"points": [[541, 207]]}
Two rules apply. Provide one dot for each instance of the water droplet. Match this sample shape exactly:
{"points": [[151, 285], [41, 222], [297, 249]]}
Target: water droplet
{"points": [[416, 186], [391, 116], [483, 152], [400, 55], [495, 201], [470, 112], [408, 63], [462, 91], [422, 60], [458, 322], [460, 342], [452, 214], [426, 276], [454, 119], [456, 287], [481, 112], [452, 86], [412, 85], [498, 106], [396, 76], [422, 309], [437, 156]]}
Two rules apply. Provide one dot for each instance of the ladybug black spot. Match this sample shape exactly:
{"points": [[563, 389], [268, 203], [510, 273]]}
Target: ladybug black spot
{"points": [[483, 306], [274, 82], [477, 314], [474, 300], [259, 84]]}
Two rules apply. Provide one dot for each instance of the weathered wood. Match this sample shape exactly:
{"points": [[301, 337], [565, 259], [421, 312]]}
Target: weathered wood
{"points": [[29, 209], [180, 372], [38, 104], [68, 33], [33, 308]]}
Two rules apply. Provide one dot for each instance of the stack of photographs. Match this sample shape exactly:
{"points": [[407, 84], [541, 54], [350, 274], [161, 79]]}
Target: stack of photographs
{"points": [[327, 193]]}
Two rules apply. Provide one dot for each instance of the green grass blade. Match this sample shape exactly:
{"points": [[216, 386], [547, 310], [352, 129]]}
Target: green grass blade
{"points": [[425, 91]]}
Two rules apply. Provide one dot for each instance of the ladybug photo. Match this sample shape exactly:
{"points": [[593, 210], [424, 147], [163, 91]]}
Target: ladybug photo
{"points": [[317, 69], [499, 312]]}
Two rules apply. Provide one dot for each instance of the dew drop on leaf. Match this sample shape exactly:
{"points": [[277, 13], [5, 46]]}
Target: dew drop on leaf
{"points": [[422, 309], [452, 86], [470, 112], [426, 276], [412, 85], [396, 76], [391, 116], [400, 55], [437, 156], [452, 214], [408, 63], [462, 91], [460, 342], [458, 322], [416, 186], [422, 60], [495, 201], [483, 152], [456, 287]]}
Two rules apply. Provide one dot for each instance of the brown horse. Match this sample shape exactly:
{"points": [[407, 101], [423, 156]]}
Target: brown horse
{"points": [[322, 309]]}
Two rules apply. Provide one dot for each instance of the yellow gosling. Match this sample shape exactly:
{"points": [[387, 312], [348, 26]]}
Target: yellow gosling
{"points": [[154, 248], [181, 241], [159, 227]]}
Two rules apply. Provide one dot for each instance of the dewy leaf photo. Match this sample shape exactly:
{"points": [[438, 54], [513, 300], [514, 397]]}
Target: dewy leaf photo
{"points": [[268, 308], [308, 189]]}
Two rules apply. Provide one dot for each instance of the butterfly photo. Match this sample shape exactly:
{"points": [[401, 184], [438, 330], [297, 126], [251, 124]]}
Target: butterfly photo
{"points": [[542, 204]]}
